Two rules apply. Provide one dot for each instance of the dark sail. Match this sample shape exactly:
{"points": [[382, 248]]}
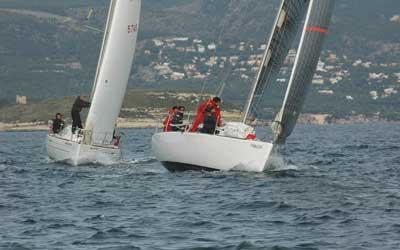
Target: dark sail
{"points": [[314, 33], [287, 23]]}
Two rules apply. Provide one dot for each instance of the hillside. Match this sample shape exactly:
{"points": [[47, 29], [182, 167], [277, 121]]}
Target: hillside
{"points": [[138, 104], [47, 51]]}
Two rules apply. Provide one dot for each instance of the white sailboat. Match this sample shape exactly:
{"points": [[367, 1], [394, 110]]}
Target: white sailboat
{"points": [[94, 144], [230, 150]]}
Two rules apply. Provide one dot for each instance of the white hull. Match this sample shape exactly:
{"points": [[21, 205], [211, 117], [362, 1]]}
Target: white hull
{"points": [[75, 153], [195, 151]]}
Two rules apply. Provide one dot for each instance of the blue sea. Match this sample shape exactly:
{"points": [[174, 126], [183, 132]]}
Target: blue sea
{"points": [[338, 189]]}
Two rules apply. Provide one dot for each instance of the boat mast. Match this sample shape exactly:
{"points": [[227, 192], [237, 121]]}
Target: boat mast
{"points": [[103, 45]]}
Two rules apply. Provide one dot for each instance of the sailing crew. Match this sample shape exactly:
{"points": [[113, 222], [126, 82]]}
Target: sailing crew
{"points": [[214, 104], [75, 112], [168, 120], [177, 120], [58, 124], [209, 121]]}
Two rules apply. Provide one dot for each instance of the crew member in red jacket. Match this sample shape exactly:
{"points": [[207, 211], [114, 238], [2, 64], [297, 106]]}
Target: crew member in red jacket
{"points": [[167, 121], [214, 104]]}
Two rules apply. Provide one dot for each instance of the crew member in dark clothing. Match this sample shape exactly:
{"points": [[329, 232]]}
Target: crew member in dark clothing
{"points": [[201, 110], [210, 121], [58, 124], [177, 119], [75, 112], [168, 120]]}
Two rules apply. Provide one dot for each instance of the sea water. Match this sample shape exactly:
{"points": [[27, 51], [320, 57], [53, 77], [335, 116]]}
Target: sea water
{"points": [[337, 188]]}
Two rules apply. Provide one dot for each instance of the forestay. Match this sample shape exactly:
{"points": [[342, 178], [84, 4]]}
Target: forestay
{"points": [[288, 21], [113, 71], [314, 32]]}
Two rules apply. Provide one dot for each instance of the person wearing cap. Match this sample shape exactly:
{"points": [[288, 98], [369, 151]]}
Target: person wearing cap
{"points": [[58, 124], [212, 104], [168, 120]]}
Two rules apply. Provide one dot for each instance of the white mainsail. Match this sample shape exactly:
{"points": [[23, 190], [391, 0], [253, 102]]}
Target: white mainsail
{"points": [[314, 32], [287, 23], [113, 70]]}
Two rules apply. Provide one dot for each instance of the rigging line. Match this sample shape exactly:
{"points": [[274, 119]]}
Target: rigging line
{"points": [[301, 23], [219, 38], [257, 97], [224, 74], [268, 77]]}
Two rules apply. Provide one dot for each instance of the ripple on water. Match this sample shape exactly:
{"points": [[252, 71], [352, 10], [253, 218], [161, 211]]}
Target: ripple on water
{"points": [[15, 246], [60, 225], [244, 245], [257, 204], [29, 221], [122, 247], [97, 217], [110, 233]]}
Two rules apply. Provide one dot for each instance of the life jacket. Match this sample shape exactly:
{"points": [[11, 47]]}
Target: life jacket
{"points": [[168, 121], [211, 104]]}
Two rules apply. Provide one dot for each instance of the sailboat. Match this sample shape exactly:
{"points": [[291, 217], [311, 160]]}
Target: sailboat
{"points": [[94, 143], [230, 150]]}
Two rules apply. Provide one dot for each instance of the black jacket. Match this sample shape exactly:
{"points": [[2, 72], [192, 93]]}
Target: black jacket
{"points": [[209, 123], [58, 125], [79, 104], [177, 121]]}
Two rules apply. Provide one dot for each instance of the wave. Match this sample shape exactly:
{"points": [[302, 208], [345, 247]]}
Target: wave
{"points": [[98, 217], [357, 147], [244, 245], [123, 247], [110, 233], [7, 162], [136, 161], [15, 246]]}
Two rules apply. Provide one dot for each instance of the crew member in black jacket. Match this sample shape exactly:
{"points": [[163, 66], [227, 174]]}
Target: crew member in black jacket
{"points": [[75, 112], [58, 124]]}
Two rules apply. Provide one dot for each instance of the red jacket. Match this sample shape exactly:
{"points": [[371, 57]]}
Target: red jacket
{"points": [[200, 114], [208, 104], [167, 121]]}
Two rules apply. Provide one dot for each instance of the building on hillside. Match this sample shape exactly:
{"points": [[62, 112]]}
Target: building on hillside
{"points": [[201, 48], [177, 76], [212, 46], [326, 91], [21, 100], [74, 65]]}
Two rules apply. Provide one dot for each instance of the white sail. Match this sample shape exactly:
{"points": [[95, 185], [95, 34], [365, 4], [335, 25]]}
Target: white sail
{"points": [[287, 23], [314, 32], [113, 71]]}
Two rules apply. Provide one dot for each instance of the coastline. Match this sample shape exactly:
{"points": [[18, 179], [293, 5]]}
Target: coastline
{"points": [[128, 123], [42, 126]]}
